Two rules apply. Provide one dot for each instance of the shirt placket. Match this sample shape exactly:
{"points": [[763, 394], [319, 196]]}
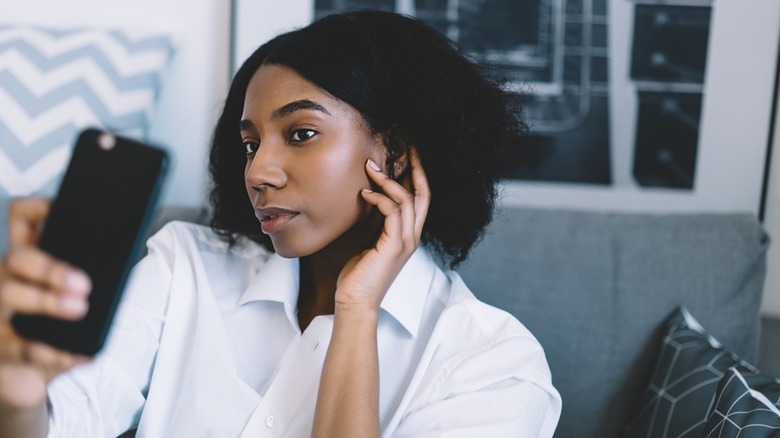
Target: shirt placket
{"points": [[287, 409]]}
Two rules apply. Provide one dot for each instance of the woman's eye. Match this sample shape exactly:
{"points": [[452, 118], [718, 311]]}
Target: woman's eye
{"points": [[250, 147], [302, 134]]}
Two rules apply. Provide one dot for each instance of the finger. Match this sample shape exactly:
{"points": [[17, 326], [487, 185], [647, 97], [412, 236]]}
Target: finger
{"points": [[389, 209], [390, 187], [422, 191], [17, 297], [401, 197], [25, 217], [35, 266]]}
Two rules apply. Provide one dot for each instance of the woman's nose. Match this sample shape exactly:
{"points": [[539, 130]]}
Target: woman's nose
{"points": [[266, 169]]}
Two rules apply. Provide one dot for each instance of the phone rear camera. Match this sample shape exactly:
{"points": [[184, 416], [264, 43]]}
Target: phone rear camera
{"points": [[106, 141]]}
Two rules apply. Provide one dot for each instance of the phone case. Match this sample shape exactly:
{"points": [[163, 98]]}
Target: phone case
{"points": [[97, 222]]}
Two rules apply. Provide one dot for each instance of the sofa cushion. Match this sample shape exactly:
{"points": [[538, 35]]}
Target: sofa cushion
{"points": [[746, 405], [595, 289], [683, 387]]}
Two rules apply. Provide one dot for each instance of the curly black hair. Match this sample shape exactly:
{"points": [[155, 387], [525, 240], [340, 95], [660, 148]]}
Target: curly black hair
{"points": [[412, 85]]}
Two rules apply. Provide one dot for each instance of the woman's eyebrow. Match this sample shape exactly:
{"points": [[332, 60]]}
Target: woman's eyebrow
{"points": [[286, 110], [246, 125], [298, 105]]}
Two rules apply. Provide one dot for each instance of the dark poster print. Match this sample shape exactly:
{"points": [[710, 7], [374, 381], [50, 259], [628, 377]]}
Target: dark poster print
{"points": [[668, 65], [556, 52]]}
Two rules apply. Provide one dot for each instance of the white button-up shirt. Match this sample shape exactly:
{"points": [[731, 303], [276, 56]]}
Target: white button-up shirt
{"points": [[206, 344]]}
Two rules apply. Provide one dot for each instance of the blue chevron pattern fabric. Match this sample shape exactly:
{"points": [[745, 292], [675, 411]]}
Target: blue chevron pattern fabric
{"points": [[53, 83]]}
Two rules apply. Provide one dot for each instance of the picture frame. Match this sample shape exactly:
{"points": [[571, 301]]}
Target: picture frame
{"points": [[736, 98]]}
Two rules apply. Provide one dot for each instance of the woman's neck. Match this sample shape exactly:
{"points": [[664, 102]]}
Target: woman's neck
{"points": [[319, 272]]}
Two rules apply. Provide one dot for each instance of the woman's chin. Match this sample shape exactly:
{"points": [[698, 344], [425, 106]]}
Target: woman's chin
{"points": [[286, 252], [290, 250]]}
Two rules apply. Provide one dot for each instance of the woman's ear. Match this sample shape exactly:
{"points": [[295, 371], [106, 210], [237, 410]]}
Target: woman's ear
{"points": [[398, 168], [399, 164], [397, 153]]}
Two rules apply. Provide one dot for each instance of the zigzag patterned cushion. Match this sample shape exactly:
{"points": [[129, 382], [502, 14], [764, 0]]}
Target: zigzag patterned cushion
{"points": [[53, 83]]}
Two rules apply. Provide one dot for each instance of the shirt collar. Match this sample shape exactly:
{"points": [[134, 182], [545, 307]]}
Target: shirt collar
{"points": [[278, 280], [406, 298]]}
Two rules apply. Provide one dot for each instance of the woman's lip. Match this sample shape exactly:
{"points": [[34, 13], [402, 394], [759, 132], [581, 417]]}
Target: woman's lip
{"points": [[274, 219], [268, 212]]}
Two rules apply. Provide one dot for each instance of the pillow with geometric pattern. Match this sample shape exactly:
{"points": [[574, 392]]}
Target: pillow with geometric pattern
{"points": [[55, 82], [747, 405], [681, 392]]}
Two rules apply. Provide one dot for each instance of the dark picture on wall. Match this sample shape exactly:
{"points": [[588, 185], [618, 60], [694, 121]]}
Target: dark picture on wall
{"points": [[556, 53], [668, 64]]}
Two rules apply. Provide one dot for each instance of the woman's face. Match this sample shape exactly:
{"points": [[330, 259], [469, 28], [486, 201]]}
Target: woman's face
{"points": [[306, 155]]}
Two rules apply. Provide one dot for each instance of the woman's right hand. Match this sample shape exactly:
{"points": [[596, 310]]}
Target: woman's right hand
{"points": [[32, 282]]}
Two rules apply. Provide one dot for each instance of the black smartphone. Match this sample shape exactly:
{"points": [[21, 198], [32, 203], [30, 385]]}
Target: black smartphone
{"points": [[98, 222]]}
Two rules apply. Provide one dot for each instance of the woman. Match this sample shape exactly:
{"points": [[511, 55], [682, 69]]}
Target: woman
{"points": [[309, 308]]}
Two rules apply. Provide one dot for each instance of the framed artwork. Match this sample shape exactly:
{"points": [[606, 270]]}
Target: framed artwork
{"points": [[641, 105]]}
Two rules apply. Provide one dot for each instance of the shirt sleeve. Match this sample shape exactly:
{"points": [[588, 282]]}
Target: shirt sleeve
{"points": [[106, 396], [501, 390]]}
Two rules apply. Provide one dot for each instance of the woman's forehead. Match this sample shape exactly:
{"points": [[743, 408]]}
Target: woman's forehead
{"points": [[275, 90]]}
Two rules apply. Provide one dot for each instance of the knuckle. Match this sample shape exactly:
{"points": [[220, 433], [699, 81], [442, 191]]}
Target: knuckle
{"points": [[46, 303], [424, 193], [42, 303], [53, 272]]}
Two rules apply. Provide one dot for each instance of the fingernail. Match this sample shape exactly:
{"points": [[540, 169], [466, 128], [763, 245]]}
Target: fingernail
{"points": [[373, 165], [368, 191], [77, 282], [73, 306]]}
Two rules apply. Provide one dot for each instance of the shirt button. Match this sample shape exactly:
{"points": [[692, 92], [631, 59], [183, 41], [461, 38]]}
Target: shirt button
{"points": [[270, 421]]}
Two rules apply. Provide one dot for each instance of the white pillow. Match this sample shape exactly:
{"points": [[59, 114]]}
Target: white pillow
{"points": [[54, 83]]}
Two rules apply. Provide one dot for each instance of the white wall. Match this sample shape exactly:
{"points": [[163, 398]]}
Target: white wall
{"points": [[199, 73], [771, 303], [259, 21]]}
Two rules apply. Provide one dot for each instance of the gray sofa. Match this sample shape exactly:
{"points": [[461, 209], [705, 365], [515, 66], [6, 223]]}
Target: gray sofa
{"points": [[595, 289]]}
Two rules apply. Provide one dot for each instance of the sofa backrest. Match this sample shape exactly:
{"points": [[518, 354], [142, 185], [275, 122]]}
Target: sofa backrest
{"points": [[594, 288]]}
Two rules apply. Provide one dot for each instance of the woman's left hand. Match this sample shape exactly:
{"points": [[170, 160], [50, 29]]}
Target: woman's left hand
{"points": [[350, 373], [365, 279]]}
